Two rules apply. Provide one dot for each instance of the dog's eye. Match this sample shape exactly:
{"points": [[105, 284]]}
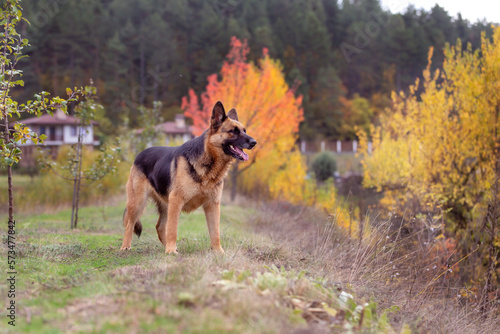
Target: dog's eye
{"points": [[245, 130]]}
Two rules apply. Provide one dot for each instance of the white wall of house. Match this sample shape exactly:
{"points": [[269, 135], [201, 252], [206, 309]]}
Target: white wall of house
{"points": [[65, 135], [59, 132], [70, 134]]}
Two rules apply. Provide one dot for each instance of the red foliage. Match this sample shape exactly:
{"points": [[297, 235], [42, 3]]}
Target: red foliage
{"points": [[264, 102]]}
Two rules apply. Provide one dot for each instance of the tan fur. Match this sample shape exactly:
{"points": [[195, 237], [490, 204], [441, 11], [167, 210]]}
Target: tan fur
{"points": [[185, 194], [138, 189]]}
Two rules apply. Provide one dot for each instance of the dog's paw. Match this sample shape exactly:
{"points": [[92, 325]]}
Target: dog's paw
{"points": [[218, 250], [125, 248], [171, 250]]}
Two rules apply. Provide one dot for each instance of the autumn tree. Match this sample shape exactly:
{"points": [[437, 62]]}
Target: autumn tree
{"points": [[266, 105], [440, 149], [357, 114]]}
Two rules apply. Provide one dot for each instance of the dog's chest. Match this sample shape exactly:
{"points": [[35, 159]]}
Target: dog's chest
{"points": [[202, 196], [214, 176]]}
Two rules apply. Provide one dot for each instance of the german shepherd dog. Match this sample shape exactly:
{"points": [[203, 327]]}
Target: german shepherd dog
{"points": [[185, 177]]}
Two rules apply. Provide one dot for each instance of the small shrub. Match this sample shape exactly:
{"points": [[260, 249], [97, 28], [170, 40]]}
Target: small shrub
{"points": [[324, 165]]}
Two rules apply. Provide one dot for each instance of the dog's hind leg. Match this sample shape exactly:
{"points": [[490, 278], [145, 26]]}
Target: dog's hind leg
{"points": [[137, 226], [136, 202], [162, 220]]}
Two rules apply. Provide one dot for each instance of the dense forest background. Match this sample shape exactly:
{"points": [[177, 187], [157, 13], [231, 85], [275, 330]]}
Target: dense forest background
{"points": [[347, 56]]}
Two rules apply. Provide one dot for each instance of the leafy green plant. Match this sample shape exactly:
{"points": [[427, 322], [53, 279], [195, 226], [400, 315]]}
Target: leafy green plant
{"points": [[366, 317], [324, 166], [313, 299], [12, 45], [270, 281], [104, 164]]}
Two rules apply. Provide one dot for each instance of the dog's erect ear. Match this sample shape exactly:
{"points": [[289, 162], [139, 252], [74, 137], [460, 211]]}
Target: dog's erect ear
{"points": [[218, 116], [232, 114]]}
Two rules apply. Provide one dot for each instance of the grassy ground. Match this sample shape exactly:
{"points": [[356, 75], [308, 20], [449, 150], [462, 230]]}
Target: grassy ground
{"points": [[286, 270], [79, 281]]}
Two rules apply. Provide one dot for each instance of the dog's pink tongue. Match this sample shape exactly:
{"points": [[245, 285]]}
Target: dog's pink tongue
{"points": [[241, 153], [244, 156]]}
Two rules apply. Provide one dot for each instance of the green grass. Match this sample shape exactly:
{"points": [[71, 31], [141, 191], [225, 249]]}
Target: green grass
{"points": [[57, 266], [18, 180], [79, 281]]}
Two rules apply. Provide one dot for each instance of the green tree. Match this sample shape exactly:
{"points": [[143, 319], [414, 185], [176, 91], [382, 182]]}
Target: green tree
{"points": [[150, 134], [12, 45], [86, 112], [325, 116], [324, 166]]}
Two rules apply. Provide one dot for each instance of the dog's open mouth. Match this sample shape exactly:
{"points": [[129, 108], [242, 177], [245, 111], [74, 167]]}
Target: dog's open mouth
{"points": [[238, 153]]}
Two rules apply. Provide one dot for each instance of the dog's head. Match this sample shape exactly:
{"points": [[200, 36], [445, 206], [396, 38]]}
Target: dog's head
{"points": [[228, 134]]}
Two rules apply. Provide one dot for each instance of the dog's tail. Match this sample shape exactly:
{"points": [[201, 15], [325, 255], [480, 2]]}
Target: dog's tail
{"points": [[137, 226]]}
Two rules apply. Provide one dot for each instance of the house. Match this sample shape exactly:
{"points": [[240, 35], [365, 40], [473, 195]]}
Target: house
{"points": [[176, 132], [60, 129]]}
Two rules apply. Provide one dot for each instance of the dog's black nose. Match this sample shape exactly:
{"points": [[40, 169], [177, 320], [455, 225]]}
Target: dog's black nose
{"points": [[252, 143]]}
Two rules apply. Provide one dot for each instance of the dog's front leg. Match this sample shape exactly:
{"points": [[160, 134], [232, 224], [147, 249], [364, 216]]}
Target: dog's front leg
{"points": [[212, 213], [175, 204]]}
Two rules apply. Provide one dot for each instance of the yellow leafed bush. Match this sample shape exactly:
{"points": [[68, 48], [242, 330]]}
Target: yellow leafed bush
{"points": [[437, 149]]}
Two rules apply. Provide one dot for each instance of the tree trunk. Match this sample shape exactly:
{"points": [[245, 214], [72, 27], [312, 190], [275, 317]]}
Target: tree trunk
{"points": [[76, 183], [5, 115], [234, 180], [54, 76], [132, 81], [142, 73], [96, 61], [77, 200], [156, 84], [9, 169], [73, 205], [73, 69], [398, 79], [11, 193], [79, 181]]}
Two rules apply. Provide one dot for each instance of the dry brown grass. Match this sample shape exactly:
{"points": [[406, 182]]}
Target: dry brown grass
{"points": [[393, 263]]}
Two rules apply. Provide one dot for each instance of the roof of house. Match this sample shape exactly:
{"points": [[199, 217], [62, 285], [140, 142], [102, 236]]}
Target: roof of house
{"points": [[59, 118], [177, 127], [171, 128]]}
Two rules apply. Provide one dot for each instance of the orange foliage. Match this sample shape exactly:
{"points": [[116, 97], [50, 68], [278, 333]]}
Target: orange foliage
{"points": [[265, 104], [443, 252], [271, 112]]}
